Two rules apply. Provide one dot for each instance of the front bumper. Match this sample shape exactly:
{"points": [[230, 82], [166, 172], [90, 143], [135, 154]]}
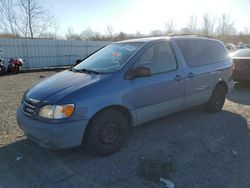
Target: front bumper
{"points": [[52, 136]]}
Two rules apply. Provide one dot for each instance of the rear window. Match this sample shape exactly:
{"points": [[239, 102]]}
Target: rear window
{"points": [[202, 52]]}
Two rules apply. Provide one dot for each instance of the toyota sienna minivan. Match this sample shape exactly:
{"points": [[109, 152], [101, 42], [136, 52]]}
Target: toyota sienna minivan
{"points": [[123, 85]]}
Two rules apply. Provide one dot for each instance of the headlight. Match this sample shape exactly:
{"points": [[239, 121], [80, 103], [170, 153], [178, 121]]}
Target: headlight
{"points": [[56, 111]]}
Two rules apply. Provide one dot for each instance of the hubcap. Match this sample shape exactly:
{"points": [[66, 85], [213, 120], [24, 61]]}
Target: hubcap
{"points": [[109, 133]]}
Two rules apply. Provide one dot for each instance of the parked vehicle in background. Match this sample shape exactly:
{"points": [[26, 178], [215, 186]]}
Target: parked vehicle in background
{"points": [[247, 45], [241, 45], [241, 60], [2, 67], [230, 47], [122, 85], [15, 65]]}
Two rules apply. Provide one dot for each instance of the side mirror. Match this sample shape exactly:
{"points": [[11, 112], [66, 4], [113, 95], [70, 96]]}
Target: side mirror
{"points": [[138, 72], [78, 61]]}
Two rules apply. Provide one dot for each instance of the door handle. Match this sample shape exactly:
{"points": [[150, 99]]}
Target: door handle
{"points": [[178, 78], [190, 75]]}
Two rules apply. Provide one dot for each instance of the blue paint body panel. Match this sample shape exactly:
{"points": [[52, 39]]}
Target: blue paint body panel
{"points": [[50, 135], [145, 98]]}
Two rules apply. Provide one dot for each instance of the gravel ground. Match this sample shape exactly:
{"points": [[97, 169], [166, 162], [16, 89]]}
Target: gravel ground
{"points": [[190, 148]]}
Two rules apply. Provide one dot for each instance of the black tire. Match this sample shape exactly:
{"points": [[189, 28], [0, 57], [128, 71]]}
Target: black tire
{"points": [[2, 70], [16, 70], [9, 68], [217, 100], [107, 132]]}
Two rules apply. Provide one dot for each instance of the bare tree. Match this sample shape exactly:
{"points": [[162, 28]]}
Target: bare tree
{"points": [[36, 18], [121, 36], [8, 17], [71, 35], [52, 33], [207, 25], [25, 17], [109, 31], [87, 33], [225, 27], [170, 27], [192, 26], [138, 34], [156, 33]]}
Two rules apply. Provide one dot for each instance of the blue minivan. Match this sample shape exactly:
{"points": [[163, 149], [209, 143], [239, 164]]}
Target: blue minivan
{"points": [[123, 85]]}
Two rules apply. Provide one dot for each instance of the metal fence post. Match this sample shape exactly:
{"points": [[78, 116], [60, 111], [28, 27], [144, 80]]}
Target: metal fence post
{"points": [[57, 51], [26, 54]]}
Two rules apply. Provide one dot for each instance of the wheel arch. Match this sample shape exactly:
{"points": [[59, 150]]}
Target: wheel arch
{"points": [[224, 84], [125, 111]]}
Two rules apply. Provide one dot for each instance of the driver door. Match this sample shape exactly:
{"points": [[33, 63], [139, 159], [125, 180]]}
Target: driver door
{"points": [[161, 93]]}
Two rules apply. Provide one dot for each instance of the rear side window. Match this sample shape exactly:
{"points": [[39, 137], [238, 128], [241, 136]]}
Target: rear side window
{"points": [[202, 52]]}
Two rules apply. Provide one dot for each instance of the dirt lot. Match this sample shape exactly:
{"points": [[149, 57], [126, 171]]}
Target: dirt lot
{"points": [[191, 149]]}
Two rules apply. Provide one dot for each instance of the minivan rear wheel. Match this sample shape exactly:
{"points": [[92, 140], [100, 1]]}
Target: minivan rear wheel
{"points": [[217, 100], [107, 132]]}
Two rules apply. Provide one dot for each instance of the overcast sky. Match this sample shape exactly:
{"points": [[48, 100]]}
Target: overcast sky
{"points": [[131, 16]]}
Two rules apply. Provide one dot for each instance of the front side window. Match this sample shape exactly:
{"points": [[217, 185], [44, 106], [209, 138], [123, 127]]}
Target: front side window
{"points": [[158, 58], [111, 58]]}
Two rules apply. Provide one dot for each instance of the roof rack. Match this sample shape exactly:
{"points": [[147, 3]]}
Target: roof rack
{"points": [[186, 34]]}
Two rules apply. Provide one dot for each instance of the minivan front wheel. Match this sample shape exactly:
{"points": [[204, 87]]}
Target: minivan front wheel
{"points": [[217, 100], [107, 132]]}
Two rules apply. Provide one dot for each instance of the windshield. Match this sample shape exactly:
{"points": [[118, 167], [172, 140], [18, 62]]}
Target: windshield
{"points": [[111, 58]]}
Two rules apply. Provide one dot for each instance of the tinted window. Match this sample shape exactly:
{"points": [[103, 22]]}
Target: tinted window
{"points": [[242, 53], [202, 52], [159, 58]]}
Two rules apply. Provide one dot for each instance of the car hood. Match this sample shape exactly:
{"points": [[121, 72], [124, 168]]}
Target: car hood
{"points": [[56, 87]]}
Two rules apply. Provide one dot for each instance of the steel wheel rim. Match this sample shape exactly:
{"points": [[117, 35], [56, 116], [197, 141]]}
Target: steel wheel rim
{"points": [[109, 134]]}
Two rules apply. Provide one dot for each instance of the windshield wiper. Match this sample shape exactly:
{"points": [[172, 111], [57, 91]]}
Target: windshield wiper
{"points": [[85, 70]]}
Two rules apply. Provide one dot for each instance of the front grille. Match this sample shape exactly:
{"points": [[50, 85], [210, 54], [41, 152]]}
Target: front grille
{"points": [[29, 108]]}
